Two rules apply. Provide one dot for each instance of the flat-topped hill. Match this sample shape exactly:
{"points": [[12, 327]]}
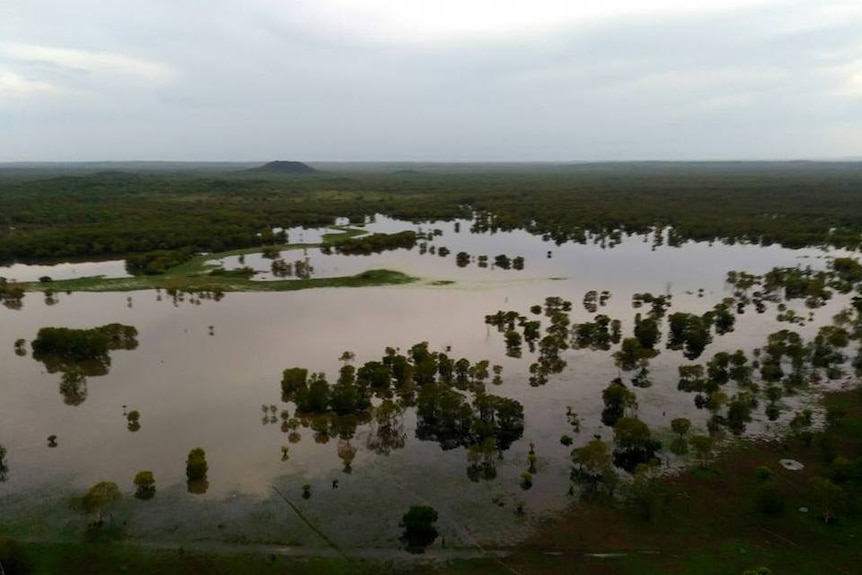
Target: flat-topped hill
{"points": [[285, 167]]}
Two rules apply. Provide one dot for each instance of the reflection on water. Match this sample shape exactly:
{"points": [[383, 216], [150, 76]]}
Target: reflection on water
{"points": [[209, 376]]}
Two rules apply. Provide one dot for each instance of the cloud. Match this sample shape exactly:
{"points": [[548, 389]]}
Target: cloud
{"points": [[15, 86], [850, 77], [432, 79], [434, 21], [97, 63]]}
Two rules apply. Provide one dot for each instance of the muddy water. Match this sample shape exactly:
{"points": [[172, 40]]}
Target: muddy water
{"points": [[202, 372], [65, 271]]}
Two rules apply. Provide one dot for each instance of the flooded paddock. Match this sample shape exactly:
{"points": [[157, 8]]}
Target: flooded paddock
{"points": [[207, 374]]}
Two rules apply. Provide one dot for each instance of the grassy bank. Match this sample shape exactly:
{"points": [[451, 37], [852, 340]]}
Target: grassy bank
{"points": [[217, 283], [196, 275]]}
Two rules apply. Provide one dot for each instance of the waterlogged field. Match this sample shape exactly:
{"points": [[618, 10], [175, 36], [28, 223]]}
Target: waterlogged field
{"points": [[207, 372]]}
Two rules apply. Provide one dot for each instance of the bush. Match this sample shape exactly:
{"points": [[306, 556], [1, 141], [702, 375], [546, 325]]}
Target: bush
{"points": [[196, 465], [145, 485], [419, 530]]}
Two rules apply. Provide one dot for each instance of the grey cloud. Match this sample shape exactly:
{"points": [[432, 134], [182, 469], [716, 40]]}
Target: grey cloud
{"points": [[249, 84]]}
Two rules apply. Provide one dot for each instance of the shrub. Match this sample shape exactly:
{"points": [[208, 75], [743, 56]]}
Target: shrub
{"points": [[145, 485], [196, 465]]}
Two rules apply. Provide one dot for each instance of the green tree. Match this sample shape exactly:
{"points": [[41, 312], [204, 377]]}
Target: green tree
{"points": [[419, 529], [314, 399], [196, 465], [703, 446], [647, 332], [618, 399], [293, 380], [145, 485], [98, 500], [593, 466], [831, 498], [634, 444], [632, 354], [680, 426]]}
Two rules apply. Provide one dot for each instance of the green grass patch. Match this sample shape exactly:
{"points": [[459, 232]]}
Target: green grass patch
{"points": [[196, 275], [223, 283]]}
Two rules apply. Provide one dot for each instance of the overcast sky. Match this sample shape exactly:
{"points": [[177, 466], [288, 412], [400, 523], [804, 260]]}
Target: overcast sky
{"points": [[430, 80]]}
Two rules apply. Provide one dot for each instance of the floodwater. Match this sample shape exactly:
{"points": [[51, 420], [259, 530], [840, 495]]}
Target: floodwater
{"points": [[203, 370], [65, 270]]}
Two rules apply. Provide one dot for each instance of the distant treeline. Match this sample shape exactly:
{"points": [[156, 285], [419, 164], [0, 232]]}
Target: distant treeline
{"points": [[117, 214]]}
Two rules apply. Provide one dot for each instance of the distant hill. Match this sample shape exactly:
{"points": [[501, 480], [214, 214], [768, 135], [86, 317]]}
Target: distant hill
{"points": [[284, 167]]}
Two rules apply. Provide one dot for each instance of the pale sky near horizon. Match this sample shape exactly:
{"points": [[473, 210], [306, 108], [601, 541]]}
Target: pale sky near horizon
{"points": [[430, 80]]}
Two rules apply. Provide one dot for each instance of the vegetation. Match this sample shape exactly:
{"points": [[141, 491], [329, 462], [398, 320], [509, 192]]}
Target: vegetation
{"points": [[419, 530], [196, 471], [376, 243], [439, 387], [85, 215], [156, 262], [97, 501], [617, 481], [4, 467], [145, 485], [80, 345]]}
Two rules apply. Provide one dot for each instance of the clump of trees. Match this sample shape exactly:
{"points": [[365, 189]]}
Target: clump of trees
{"points": [[634, 444], [599, 334], [376, 243], [78, 353], [689, 332], [156, 262], [78, 345], [452, 406], [11, 294]]}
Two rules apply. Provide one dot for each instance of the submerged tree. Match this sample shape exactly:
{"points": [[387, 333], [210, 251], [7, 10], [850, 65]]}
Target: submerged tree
{"points": [[680, 426], [98, 500], [419, 529], [593, 468], [134, 420], [634, 444], [145, 485], [618, 400], [196, 471], [4, 467]]}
